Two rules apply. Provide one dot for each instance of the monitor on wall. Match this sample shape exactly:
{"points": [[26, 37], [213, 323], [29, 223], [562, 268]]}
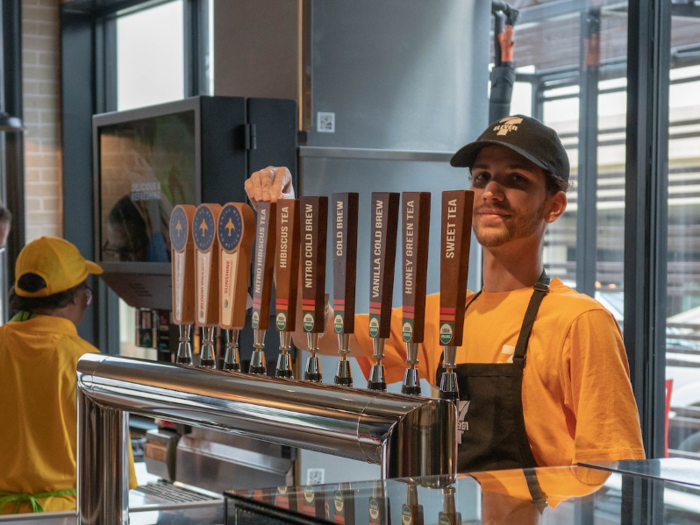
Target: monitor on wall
{"points": [[147, 161]]}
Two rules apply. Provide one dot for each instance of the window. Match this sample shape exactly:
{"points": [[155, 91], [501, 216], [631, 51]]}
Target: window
{"points": [[150, 56]]}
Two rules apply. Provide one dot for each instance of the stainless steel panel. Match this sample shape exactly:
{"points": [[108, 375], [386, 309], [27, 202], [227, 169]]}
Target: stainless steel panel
{"points": [[400, 74]]}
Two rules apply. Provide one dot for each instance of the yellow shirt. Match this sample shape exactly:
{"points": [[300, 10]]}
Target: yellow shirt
{"points": [[38, 415], [577, 399]]}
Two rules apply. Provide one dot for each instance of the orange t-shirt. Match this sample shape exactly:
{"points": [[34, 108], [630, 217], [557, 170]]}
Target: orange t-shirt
{"points": [[38, 412], [577, 398]]}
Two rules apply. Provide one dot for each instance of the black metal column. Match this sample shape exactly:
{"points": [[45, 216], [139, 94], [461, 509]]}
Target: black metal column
{"points": [[646, 223], [11, 77], [587, 181]]}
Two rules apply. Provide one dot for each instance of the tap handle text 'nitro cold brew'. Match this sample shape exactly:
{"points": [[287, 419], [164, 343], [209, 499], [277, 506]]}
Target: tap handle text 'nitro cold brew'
{"points": [[344, 245], [265, 232], [204, 225], [457, 207], [314, 227], [385, 219], [182, 257], [236, 234], [287, 264], [415, 233]]}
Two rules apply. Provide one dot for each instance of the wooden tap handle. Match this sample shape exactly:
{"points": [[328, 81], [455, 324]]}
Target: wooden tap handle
{"points": [[344, 246], [385, 220], [314, 220], [182, 259], [206, 218], [263, 268], [236, 233], [457, 208], [416, 236], [287, 264]]}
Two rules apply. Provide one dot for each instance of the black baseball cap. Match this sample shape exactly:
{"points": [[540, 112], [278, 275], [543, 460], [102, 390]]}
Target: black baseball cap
{"points": [[524, 135]]}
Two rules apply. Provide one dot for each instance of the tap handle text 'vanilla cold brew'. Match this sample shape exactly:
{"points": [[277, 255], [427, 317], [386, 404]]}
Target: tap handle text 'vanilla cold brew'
{"points": [[183, 277], [415, 235], [204, 224], [286, 281], [236, 234], [457, 208], [344, 218], [265, 238], [314, 227], [385, 219]]}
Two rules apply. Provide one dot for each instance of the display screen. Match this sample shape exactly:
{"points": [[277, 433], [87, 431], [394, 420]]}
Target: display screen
{"points": [[146, 167]]}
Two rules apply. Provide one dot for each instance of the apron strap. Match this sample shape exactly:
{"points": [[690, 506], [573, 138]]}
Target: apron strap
{"points": [[33, 499], [541, 289]]}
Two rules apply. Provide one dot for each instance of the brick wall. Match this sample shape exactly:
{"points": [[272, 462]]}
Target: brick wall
{"points": [[41, 70]]}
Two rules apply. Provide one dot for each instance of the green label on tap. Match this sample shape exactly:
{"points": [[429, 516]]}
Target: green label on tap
{"points": [[446, 330], [373, 325]]}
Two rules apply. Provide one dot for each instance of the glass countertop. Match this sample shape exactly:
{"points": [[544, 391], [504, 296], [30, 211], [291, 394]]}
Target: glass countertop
{"points": [[629, 492]]}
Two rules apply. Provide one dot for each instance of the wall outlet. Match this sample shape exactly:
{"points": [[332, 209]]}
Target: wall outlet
{"points": [[314, 476]]}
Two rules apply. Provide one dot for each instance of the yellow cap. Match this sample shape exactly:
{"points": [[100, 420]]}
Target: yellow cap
{"points": [[56, 261]]}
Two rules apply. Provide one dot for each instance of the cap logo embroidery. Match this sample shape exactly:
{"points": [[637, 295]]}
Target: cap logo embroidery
{"points": [[507, 124]]}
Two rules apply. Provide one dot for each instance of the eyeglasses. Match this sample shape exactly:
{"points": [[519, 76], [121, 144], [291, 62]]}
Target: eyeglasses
{"points": [[88, 294]]}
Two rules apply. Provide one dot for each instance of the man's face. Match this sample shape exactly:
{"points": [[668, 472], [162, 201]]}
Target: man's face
{"points": [[4, 232], [510, 198]]}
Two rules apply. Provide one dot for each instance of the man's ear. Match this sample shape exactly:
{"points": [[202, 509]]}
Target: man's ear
{"points": [[555, 207]]}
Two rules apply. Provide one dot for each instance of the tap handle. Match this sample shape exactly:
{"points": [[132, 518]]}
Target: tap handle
{"points": [[385, 219], [457, 207], [236, 234], [314, 219], [206, 218], [344, 246], [265, 233], [287, 264], [182, 257], [416, 238]]}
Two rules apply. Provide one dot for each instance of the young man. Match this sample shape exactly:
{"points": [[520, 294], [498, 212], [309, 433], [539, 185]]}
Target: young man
{"points": [[39, 351], [558, 395]]}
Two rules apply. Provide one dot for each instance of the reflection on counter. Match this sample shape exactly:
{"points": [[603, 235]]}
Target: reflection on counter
{"points": [[611, 494]]}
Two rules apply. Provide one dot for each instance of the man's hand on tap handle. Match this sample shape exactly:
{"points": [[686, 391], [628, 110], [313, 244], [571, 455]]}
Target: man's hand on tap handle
{"points": [[269, 185]]}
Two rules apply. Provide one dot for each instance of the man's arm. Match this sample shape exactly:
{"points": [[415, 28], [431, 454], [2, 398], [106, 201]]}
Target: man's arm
{"points": [[599, 391]]}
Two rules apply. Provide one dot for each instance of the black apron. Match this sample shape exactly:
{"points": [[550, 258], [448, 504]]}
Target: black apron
{"points": [[491, 408]]}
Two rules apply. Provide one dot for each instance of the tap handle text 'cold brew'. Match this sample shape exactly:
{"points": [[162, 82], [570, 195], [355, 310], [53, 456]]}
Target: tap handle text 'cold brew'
{"points": [[415, 233], [385, 219], [314, 226], [182, 257], [287, 264], [457, 207], [236, 234], [344, 245], [265, 232], [204, 223]]}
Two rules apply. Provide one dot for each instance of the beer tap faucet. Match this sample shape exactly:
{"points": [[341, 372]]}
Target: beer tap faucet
{"points": [[286, 280], [262, 282], [385, 218], [182, 257], [204, 224], [415, 234], [236, 233], [457, 207], [344, 246], [314, 219]]}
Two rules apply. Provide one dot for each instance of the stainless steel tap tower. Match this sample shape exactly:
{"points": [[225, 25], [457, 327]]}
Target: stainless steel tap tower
{"points": [[409, 436]]}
